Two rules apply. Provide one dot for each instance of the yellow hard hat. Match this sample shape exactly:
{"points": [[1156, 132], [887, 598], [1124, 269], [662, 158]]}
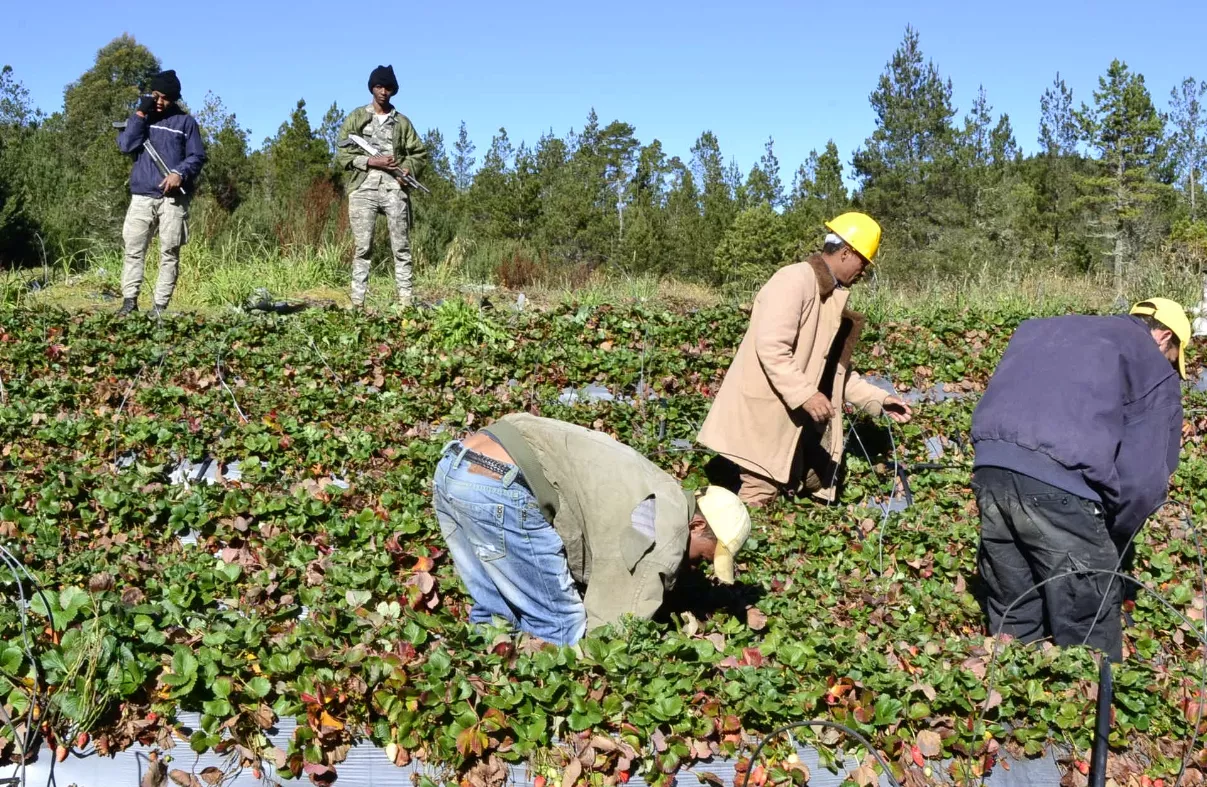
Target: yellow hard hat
{"points": [[1172, 316], [859, 231], [729, 521]]}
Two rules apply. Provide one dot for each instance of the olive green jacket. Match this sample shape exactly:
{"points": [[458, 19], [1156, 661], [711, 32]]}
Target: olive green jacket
{"points": [[409, 151], [588, 485]]}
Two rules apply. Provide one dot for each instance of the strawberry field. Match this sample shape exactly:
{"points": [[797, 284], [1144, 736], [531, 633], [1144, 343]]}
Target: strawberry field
{"points": [[232, 517]]}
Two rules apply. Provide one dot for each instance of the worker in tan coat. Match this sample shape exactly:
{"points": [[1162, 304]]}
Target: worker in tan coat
{"points": [[776, 423]]}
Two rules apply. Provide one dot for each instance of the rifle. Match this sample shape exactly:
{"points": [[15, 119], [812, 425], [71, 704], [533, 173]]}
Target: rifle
{"points": [[405, 178], [154, 154]]}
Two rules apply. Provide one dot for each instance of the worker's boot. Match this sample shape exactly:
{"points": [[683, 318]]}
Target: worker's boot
{"points": [[158, 310], [129, 305]]}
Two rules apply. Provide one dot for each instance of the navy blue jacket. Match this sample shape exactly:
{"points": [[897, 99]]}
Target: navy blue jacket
{"points": [[177, 137], [1088, 405]]}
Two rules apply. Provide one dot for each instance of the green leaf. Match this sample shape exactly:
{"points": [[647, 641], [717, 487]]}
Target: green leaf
{"points": [[259, 687], [357, 598], [222, 687], [217, 708]]}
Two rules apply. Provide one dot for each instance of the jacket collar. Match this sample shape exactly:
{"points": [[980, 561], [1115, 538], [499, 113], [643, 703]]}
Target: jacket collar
{"points": [[826, 283]]}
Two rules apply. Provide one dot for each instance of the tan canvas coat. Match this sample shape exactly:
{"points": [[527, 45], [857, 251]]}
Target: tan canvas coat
{"points": [[792, 349]]}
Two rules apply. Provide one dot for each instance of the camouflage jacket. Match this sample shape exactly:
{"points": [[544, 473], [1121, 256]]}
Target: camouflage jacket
{"points": [[409, 152]]}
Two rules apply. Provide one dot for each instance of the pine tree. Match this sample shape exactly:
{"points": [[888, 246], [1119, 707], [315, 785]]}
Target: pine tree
{"points": [[1054, 168], [297, 157], [818, 194], [644, 247], [227, 173], [463, 160], [717, 198], [1125, 129], [753, 247], [488, 194], [905, 166], [977, 131], [685, 223], [1003, 149], [18, 124], [93, 173], [1058, 131], [1188, 140], [763, 184], [329, 128]]}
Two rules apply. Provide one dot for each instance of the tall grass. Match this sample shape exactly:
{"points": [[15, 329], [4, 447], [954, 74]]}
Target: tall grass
{"points": [[889, 295], [228, 272]]}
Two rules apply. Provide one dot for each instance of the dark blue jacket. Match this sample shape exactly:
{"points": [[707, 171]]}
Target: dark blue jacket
{"points": [[1088, 405], [177, 137]]}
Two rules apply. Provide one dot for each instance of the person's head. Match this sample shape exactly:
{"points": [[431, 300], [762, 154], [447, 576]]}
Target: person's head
{"points": [[383, 84], [850, 246], [1170, 329], [718, 530], [165, 89]]}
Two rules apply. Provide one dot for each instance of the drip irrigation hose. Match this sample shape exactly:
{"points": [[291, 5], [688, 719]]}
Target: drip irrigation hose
{"points": [[1102, 726], [990, 670]]}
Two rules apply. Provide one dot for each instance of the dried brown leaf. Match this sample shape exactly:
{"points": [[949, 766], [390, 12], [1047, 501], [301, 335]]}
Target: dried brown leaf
{"points": [[930, 743], [184, 778]]}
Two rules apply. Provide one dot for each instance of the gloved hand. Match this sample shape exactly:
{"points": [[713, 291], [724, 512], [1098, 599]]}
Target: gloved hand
{"points": [[146, 106]]}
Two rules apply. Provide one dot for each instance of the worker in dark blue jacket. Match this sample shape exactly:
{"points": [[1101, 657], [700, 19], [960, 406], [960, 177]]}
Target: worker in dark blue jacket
{"points": [[159, 197], [1076, 438]]}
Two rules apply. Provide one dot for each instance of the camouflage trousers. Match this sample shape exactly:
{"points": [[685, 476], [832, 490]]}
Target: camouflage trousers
{"points": [[363, 207], [170, 215]]}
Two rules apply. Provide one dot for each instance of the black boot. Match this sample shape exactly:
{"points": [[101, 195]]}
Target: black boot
{"points": [[128, 305]]}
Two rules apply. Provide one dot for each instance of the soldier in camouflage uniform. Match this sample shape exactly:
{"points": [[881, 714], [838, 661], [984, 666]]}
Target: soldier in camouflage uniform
{"points": [[372, 189]]}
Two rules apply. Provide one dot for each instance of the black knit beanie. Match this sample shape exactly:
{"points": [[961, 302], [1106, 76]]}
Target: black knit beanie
{"points": [[167, 83], [384, 76]]}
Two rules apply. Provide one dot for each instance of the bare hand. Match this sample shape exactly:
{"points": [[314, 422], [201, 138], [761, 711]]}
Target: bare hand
{"points": [[381, 162], [819, 408], [405, 172], [170, 183], [896, 408]]}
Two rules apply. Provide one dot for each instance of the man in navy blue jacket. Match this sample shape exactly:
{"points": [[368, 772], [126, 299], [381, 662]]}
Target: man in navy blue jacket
{"points": [[1076, 438], [158, 200]]}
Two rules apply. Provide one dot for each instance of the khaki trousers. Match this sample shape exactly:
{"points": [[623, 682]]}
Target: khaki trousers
{"points": [[170, 215]]}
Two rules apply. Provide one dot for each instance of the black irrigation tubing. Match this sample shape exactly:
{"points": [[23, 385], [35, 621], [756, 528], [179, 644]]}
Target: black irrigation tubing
{"points": [[819, 723], [1160, 597]]}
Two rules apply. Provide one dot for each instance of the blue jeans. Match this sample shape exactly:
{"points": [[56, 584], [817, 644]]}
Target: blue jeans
{"points": [[511, 560]]}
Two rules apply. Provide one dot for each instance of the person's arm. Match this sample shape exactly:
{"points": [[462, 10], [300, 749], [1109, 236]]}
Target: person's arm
{"points": [[412, 153], [781, 302], [613, 592], [874, 400], [194, 152], [863, 395], [130, 138], [1144, 479], [634, 575], [350, 157]]}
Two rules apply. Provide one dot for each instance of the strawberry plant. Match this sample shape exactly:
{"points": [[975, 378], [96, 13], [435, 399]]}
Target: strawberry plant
{"points": [[232, 517]]}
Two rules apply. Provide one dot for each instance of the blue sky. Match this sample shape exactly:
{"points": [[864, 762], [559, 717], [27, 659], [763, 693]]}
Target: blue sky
{"points": [[798, 72]]}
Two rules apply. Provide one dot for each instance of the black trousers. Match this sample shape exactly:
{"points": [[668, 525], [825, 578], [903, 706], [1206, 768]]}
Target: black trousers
{"points": [[1031, 532]]}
